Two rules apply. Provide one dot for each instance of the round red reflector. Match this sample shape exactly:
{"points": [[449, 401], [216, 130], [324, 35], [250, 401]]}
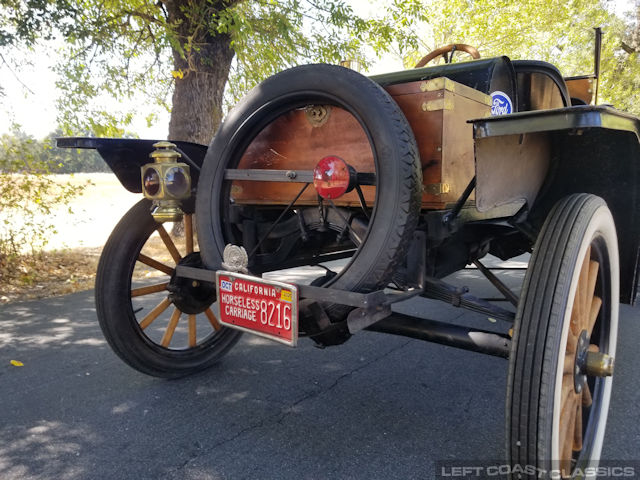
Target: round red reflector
{"points": [[331, 177]]}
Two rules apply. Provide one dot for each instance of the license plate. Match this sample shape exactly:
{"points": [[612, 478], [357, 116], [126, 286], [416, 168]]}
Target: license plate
{"points": [[263, 307]]}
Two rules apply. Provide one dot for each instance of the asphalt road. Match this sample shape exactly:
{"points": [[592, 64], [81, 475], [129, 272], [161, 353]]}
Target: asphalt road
{"points": [[378, 407]]}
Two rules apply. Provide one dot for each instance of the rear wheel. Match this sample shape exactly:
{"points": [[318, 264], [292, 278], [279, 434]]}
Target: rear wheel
{"points": [[559, 382], [159, 324], [288, 124]]}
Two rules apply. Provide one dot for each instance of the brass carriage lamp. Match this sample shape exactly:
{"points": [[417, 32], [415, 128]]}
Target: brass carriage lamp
{"points": [[166, 182]]}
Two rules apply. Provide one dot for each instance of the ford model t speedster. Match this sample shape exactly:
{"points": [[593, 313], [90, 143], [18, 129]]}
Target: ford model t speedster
{"points": [[387, 185]]}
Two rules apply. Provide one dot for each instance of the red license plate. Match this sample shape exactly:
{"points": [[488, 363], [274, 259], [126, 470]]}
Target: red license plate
{"points": [[263, 307]]}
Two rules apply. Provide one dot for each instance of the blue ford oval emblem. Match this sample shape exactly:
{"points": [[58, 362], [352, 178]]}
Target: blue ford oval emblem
{"points": [[500, 103]]}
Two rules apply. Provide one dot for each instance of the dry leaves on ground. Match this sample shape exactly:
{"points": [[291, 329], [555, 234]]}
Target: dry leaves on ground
{"points": [[49, 274]]}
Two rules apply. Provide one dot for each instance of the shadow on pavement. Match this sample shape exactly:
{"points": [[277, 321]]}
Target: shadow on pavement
{"points": [[377, 407]]}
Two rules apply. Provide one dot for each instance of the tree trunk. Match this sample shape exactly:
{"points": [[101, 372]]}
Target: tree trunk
{"points": [[197, 97]]}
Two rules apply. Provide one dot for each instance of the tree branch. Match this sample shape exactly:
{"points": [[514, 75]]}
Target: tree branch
{"points": [[15, 75]]}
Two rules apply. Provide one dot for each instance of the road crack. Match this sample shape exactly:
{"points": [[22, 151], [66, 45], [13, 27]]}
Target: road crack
{"points": [[279, 418], [337, 381]]}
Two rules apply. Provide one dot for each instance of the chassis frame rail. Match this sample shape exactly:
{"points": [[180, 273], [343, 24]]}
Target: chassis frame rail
{"points": [[373, 312]]}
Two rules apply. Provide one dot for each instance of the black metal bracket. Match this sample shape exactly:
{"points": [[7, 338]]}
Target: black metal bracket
{"points": [[194, 273], [354, 299], [289, 176], [496, 282], [417, 260], [370, 300], [457, 208], [371, 303]]}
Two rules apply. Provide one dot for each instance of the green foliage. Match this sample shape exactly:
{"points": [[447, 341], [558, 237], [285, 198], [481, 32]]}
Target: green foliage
{"points": [[25, 22], [128, 49], [21, 153], [269, 36], [117, 50], [557, 32], [30, 194]]}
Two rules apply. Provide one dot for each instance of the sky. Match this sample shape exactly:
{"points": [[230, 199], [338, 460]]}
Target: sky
{"points": [[30, 94]]}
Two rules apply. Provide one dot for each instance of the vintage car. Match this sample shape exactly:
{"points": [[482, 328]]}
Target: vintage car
{"points": [[387, 185]]}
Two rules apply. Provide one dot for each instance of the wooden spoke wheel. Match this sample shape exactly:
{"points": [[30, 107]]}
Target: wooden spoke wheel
{"points": [[158, 323], [297, 121], [561, 362]]}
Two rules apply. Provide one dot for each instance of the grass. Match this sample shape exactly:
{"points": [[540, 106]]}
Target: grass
{"points": [[70, 263]]}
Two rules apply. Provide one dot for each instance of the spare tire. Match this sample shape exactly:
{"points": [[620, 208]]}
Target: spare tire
{"points": [[379, 230]]}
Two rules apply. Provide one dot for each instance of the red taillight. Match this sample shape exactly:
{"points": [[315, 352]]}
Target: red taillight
{"points": [[331, 177]]}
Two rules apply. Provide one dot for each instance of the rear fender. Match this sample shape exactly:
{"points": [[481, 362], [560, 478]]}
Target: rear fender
{"points": [[544, 156], [125, 156]]}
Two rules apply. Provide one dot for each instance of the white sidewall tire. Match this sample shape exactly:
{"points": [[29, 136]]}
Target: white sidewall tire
{"points": [[541, 331], [601, 224]]}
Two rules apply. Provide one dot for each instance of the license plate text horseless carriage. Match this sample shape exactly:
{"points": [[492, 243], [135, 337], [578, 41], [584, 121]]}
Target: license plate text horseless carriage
{"points": [[387, 185], [266, 308]]}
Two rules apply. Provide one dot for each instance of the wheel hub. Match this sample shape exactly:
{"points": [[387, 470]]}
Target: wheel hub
{"points": [[188, 295], [590, 362], [599, 364], [579, 375]]}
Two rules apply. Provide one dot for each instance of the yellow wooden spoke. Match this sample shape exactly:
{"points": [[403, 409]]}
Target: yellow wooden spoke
{"points": [[155, 264], [171, 328], [567, 427], [188, 232], [169, 244], [577, 432], [567, 390], [587, 400], [596, 304], [576, 317], [212, 319], [155, 313], [572, 342], [594, 267], [158, 287], [192, 330], [583, 285], [569, 364], [578, 310]]}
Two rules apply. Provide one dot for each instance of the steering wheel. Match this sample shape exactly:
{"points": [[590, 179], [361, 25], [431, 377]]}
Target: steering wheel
{"points": [[449, 48]]}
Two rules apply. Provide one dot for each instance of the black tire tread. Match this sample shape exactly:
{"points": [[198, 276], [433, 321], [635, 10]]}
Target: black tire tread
{"points": [[536, 330], [115, 315], [397, 224]]}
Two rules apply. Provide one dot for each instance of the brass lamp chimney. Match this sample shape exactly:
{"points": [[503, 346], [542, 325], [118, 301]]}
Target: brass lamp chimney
{"points": [[166, 182]]}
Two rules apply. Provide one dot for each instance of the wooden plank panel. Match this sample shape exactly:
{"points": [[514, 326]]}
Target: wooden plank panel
{"points": [[438, 119], [291, 142], [581, 88]]}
